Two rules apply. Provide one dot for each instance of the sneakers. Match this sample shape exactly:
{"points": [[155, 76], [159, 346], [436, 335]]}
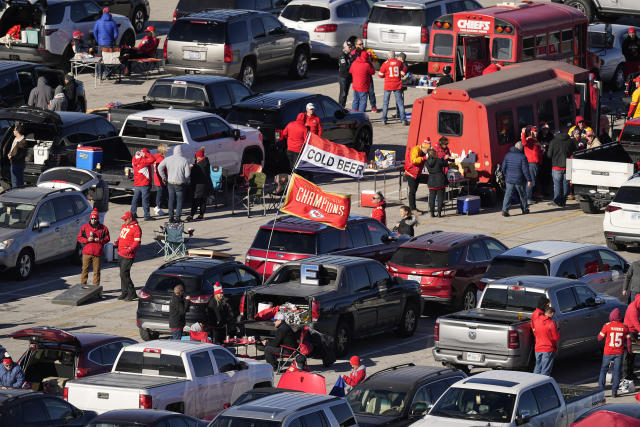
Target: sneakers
{"points": [[122, 296], [505, 214], [158, 211], [374, 110], [525, 212], [406, 123]]}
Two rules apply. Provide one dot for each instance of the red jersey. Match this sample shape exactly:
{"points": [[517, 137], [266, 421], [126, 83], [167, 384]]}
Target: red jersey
{"points": [[615, 334], [313, 122], [129, 240], [392, 71]]}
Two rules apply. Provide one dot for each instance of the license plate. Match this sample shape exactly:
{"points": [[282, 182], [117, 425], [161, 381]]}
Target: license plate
{"points": [[164, 307], [474, 357], [392, 37], [602, 189], [413, 277], [193, 55], [103, 395]]}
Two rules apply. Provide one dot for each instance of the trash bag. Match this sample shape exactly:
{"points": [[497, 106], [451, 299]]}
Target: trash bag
{"points": [[323, 347], [338, 388]]}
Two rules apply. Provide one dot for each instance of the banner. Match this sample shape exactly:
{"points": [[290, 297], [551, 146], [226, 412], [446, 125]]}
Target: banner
{"points": [[308, 201], [324, 156]]}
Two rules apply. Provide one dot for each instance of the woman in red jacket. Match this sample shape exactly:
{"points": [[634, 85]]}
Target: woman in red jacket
{"points": [[379, 211]]}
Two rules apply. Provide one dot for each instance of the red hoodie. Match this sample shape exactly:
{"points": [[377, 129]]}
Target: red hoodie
{"points": [[532, 151], [547, 335], [295, 133], [379, 212], [158, 180], [356, 376], [631, 316], [141, 169], [361, 71], [535, 319], [314, 124]]}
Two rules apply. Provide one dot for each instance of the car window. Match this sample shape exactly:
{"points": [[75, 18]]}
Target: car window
{"points": [[568, 269], [359, 279], [330, 108], [566, 300], [494, 247], [270, 23], [504, 127], [109, 352], [160, 91], [237, 32], [238, 91], [178, 92], [584, 296], [501, 49], [79, 204], [332, 240], [13, 416], [295, 423], [345, 11], [545, 113], [230, 277], [197, 130], [376, 231], [257, 28], [57, 408], [360, 8], [46, 213], [33, 411], [201, 363], [525, 115], [566, 108], [305, 13], [195, 94], [104, 128], [610, 261], [587, 263], [85, 12], [9, 85], [55, 14], [343, 414], [476, 252], [358, 235], [449, 122], [220, 96], [315, 419], [376, 272], [263, 4], [216, 128], [546, 397], [248, 278], [225, 361], [527, 405]]}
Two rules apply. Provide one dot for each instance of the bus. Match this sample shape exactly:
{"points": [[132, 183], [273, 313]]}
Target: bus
{"points": [[509, 33]]}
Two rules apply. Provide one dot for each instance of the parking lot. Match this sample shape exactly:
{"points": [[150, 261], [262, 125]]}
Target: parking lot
{"points": [[28, 303]]}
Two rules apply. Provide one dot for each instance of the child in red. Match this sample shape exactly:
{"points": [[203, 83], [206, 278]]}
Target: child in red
{"points": [[358, 372], [615, 334]]}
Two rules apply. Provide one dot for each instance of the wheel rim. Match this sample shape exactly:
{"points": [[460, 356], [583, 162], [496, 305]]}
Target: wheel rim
{"points": [[25, 265], [302, 64], [138, 20], [469, 300], [247, 76], [409, 320], [342, 339], [578, 6]]}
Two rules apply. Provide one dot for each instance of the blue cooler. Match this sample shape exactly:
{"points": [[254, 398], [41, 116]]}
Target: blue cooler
{"points": [[88, 157], [469, 205]]}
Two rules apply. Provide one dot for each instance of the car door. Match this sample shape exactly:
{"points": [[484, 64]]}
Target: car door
{"points": [[32, 413], [228, 151], [220, 98], [334, 127], [616, 267], [389, 296], [234, 380], [477, 259], [568, 317], [206, 393], [365, 299], [263, 47], [589, 271], [281, 40], [59, 411], [46, 239], [383, 249], [68, 224], [550, 410], [593, 316], [83, 15]]}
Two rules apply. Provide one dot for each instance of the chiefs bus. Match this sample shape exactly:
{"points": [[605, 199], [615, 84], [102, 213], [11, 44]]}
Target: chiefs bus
{"points": [[509, 33]]}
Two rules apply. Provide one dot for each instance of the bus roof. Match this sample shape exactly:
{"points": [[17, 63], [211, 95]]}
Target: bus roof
{"points": [[512, 82]]}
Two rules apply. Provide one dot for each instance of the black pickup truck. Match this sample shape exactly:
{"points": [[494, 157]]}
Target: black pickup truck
{"points": [[340, 296], [211, 94]]}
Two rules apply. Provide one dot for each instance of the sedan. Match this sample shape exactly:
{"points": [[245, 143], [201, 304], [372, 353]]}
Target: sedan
{"points": [[606, 40]]}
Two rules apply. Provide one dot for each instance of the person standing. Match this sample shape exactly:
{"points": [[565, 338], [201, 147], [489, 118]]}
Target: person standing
{"points": [[92, 236], [178, 307], [392, 71], [371, 93], [312, 121], [41, 95], [59, 101], [407, 221], [284, 337], [631, 284], [538, 313], [219, 315], [634, 111], [413, 167], [17, 155], [105, 30], [436, 181], [344, 78], [142, 169], [361, 71], [560, 148], [76, 100], [128, 243], [604, 136], [11, 376], [379, 211], [516, 170], [533, 153], [631, 52], [160, 181], [615, 335], [295, 133], [200, 185], [446, 78], [177, 170], [547, 337], [358, 372], [632, 321]]}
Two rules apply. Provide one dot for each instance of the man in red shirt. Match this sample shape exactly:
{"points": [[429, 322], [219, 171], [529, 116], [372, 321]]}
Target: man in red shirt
{"points": [[615, 335], [392, 71], [92, 236], [632, 321], [547, 337], [312, 121], [361, 71], [533, 153], [142, 175], [295, 133], [128, 244]]}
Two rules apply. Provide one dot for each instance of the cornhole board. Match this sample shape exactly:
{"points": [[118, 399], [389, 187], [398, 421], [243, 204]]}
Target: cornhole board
{"points": [[78, 295]]}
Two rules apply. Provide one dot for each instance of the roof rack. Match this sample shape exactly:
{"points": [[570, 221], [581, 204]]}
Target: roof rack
{"points": [[392, 368], [455, 242]]}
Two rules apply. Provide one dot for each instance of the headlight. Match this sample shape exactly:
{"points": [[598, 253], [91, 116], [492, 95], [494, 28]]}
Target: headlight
{"points": [[5, 244]]}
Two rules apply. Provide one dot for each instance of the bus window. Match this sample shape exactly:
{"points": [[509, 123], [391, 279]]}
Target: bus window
{"points": [[504, 127], [450, 123], [567, 41], [501, 49], [528, 48], [566, 110], [554, 43], [545, 113], [541, 45], [525, 116], [442, 44]]}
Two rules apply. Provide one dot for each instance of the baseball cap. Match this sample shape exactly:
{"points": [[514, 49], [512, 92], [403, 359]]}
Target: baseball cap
{"points": [[77, 33], [632, 30], [127, 215], [7, 358], [106, 10], [310, 106], [151, 28], [637, 79]]}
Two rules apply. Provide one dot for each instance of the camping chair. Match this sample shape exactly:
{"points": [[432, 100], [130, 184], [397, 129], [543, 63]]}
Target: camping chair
{"points": [[217, 174], [287, 354], [111, 62], [147, 65], [172, 238], [251, 193], [281, 181]]}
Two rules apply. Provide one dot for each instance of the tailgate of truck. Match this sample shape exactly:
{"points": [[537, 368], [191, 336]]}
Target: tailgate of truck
{"points": [[598, 173]]}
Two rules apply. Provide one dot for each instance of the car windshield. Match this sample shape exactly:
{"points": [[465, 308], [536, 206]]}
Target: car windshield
{"points": [[163, 284], [15, 215], [507, 267], [377, 402], [628, 195], [513, 298], [598, 40], [198, 31], [285, 241], [412, 257], [227, 421], [471, 404]]}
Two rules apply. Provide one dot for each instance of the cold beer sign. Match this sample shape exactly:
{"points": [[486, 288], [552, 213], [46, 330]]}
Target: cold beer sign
{"points": [[321, 155], [472, 26]]}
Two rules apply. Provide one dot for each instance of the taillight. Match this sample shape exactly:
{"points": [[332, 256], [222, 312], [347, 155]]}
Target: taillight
{"points": [[81, 372], [315, 311], [145, 401], [513, 340], [49, 32], [164, 49], [482, 285], [109, 116], [364, 30], [201, 299], [424, 35], [143, 295], [326, 28], [242, 305], [65, 393], [436, 332], [278, 134], [610, 208], [228, 54], [446, 274], [175, 15]]}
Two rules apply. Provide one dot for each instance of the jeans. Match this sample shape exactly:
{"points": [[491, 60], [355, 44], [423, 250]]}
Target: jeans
{"points": [[17, 176], [345, 84], [359, 101], [126, 284], [617, 371], [176, 197], [399, 103], [506, 203], [161, 194], [145, 193], [533, 171], [433, 195], [176, 334], [198, 204], [412, 183], [372, 95], [544, 363], [560, 187]]}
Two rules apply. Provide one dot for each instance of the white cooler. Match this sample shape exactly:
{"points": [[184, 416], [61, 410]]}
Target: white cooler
{"points": [[41, 153], [110, 252]]}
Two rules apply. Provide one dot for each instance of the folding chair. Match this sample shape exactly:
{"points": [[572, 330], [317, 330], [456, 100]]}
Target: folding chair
{"points": [[111, 62], [147, 65], [288, 354], [252, 193], [217, 174], [281, 181], [174, 243]]}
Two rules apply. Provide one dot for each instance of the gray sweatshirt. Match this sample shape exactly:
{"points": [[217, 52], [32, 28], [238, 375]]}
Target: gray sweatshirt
{"points": [[175, 167], [632, 279]]}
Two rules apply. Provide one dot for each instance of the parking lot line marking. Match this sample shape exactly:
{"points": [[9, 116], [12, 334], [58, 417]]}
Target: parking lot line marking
{"points": [[380, 350], [538, 224], [32, 286]]}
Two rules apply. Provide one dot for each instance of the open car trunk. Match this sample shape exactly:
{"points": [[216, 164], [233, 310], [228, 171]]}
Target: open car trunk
{"points": [[26, 14]]}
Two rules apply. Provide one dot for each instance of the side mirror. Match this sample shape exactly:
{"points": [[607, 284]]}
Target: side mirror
{"points": [[418, 409], [599, 301], [388, 238], [43, 224], [523, 418], [235, 134], [382, 284], [242, 366], [340, 114]]}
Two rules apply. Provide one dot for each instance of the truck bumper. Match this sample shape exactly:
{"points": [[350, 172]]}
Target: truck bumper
{"points": [[30, 54], [439, 300], [494, 361], [614, 236]]}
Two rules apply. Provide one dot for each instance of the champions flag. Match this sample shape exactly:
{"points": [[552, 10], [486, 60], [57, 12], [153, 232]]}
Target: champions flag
{"points": [[324, 156], [306, 200]]}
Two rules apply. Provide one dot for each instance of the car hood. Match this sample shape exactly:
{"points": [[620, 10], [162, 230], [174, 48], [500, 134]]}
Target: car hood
{"points": [[376, 420]]}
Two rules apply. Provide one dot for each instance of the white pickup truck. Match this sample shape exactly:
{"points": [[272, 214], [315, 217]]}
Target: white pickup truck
{"points": [[193, 378], [511, 398]]}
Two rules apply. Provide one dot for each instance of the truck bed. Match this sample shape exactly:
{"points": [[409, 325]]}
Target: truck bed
{"points": [[118, 115], [572, 393], [490, 316], [122, 380]]}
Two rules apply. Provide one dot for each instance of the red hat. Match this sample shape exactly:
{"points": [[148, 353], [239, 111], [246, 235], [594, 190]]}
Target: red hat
{"points": [[77, 34], [579, 119], [200, 153], [355, 361], [632, 30], [150, 28], [637, 79], [106, 10], [95, 214], [145, 150], [127, 215], [534, 128], [7, 358], [217, 289]]}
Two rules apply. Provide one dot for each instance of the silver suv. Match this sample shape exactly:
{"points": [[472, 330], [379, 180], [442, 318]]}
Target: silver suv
{"points": [[236, 43], [403, 25], [38, 225]]}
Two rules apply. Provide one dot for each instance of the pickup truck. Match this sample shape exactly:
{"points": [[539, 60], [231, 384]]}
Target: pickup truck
{"points": [[498, 334], [597, 173], [189, 377], [339, 296], [508, 398], [211, 94]]}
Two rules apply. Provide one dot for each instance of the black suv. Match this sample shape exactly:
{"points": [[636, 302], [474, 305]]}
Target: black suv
{"points": [[197, 275], [17, 78], [187, 7], [271, 112], [401, 394]]}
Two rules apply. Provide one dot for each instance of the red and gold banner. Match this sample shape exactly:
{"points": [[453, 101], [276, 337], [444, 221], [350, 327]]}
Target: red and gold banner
{"points": [[308, 201]]}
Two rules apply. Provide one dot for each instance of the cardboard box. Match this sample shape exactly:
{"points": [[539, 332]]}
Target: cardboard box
{"points": [[32, 36], [384, 159], [366, 198]]}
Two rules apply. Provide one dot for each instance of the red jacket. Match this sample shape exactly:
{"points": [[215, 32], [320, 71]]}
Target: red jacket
{"points": [[379, 212], [415, 163], [313, 122], [535, 319], [532, 151], [295, 133], [547, 336], [631, 316], [361, 71], [147, 46], [141, 169], [93, 248], [356, 376], [158, 180], [392, 71], [129, 240]]}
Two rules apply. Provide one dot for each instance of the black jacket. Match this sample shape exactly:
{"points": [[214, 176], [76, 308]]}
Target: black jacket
{"points": [[201, 179], [445, 80], [178, 308], [632, 279], [344, 62], [406, 225], [627, 50], [284, 336], [561, 147], [219, 314], [435, 167]]}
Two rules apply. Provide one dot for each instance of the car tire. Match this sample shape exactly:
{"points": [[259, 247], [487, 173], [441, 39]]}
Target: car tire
{"points": [[617, 81], [583, 6], [138, 18], [342, 339], [24, 264], [76, 256], [469, 298], [248, 73], [148, 334], [616, 246], [363, 140], [300, 64], [588, 207], [409, 320]]}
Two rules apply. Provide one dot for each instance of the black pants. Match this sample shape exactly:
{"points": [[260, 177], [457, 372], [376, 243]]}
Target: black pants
{"points": [[198, 204], [270, 355], [432, 200], [218, 335], [292, 156], [628, 362], [126, 284], [345, 84], [412, 183]]}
